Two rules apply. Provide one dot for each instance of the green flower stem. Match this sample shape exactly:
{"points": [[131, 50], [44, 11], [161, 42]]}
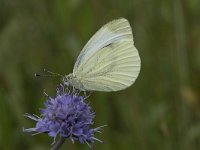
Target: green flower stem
{"points": [[58, 144]]}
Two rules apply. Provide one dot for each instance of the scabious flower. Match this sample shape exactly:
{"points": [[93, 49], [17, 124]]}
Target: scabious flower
{"points": [[68, 116]]}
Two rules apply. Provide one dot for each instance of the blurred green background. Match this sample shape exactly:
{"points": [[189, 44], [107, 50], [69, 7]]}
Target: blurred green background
{"points": [[161, 111]]}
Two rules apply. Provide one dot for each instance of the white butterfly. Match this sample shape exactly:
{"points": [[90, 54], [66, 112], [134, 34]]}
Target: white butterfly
{"points": [[108, 62]]}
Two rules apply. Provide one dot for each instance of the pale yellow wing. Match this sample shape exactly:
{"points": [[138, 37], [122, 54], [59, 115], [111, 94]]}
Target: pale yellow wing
{"points": [[109, 61]]}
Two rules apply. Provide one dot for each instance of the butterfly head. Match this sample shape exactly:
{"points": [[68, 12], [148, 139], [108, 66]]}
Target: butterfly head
{"points": [[67, 79], [73, 81]]}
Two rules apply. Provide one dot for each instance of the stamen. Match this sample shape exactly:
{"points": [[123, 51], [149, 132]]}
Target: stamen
{"points": [[96, 139], [88, 144]]}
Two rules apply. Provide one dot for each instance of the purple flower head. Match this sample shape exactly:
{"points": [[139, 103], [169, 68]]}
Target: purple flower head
{"points": [[66, 115]]}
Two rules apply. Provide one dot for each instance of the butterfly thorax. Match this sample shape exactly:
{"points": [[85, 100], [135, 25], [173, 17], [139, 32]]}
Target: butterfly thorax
{"points": [[73, 81]]}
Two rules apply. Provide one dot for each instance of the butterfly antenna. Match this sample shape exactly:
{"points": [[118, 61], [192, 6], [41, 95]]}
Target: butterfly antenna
{"points": [[42, 75], [50, 74]]}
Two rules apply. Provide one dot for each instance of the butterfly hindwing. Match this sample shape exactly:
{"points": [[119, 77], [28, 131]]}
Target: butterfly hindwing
{"points": [[109, 61]]}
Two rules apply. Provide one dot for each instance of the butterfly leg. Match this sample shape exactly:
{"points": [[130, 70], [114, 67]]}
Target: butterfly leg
{"points": [[87, 94]]}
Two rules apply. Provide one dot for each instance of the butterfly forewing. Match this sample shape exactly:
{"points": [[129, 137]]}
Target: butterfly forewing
{"points": [[109, 61]]}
